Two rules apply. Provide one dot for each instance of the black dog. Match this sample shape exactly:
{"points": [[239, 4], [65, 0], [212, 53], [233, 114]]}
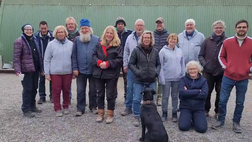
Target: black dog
{"points": [[151, 119]]}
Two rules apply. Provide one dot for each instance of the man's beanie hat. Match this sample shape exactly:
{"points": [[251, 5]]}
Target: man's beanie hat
{"points": [[26, 26], [120, 19], [84, 22]]}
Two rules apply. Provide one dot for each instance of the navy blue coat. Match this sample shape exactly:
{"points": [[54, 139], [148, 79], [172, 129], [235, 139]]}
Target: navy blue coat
{"points": [[194, 97], [123, 36]]}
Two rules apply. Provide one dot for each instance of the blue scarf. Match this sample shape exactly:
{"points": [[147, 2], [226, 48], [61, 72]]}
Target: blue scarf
{"points": [[216, 38]]}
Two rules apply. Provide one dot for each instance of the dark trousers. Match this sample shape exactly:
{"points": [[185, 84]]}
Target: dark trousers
{"points": [[81, 92], [42, 87], [198, 118], [30, 86], [213, 82], [110, 86], [125, 82], [61, 83]]}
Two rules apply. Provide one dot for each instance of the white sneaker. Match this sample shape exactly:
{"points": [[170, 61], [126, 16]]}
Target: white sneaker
{"points": [[59, 113], [66, 111]]}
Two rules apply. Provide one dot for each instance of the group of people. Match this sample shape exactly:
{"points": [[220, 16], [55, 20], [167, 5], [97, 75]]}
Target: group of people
{"points": [[169, 63]]}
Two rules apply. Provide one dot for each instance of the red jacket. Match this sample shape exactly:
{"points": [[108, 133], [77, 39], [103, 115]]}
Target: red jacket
{"points": [[235, 60]]}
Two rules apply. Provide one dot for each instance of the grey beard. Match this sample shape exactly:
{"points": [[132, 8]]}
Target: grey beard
{"points": [[85, 37]]}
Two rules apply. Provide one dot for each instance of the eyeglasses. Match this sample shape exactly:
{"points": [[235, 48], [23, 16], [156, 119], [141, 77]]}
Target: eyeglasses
{"points": [[241, 27], [192, 69], [220, 28], [28, 29]]}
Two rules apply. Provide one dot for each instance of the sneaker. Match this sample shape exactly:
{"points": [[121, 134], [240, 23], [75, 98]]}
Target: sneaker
{"points": [[36, 110], [78, 113], [217, 125], [164, 116], [126, 112], [136, 121], [174, 117], [59, 113], [29, 114], [41, 100], [66, 111], [237, 128]]}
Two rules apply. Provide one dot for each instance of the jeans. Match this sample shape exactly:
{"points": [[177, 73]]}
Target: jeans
{"points": [[42, 87], [125, 82], [213, 82], [226, 88], [129, 96], [197, 117], [170, 87], [110, 87], [137, 98], [61, 83], [30, 86], [81, 92]]}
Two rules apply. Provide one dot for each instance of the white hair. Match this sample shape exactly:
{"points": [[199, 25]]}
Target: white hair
{"points": [[219, 22], [194, 63], [190, 21], [139, 20]]}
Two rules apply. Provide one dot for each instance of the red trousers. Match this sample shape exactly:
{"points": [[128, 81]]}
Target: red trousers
{"points": [[61, 83]]}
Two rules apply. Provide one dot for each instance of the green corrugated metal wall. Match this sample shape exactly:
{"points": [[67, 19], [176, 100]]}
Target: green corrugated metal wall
{"points": [[15, 13]]}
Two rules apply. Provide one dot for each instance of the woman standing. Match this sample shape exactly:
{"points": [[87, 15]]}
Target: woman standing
{"points": [[193, 91], [27, 61], [172, 70], [145, 65], [107, 60], [58, 68]]}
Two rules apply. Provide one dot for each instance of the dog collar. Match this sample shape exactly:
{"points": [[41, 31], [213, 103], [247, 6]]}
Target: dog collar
{"points": [[147, 102]]}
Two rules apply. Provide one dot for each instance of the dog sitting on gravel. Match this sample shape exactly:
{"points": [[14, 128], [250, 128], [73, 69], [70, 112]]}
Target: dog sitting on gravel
{"points": [[151, 119]]}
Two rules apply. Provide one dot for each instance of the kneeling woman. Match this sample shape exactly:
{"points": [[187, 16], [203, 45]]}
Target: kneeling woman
{"points": [[192, 93], [107, 59]]}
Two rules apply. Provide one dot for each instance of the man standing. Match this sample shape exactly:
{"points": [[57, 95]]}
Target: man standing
{"points": [[190, 41], [131, 43], [123, 33], [44, 36], [83, 49], [208, 58], [234, 57], [160, 35], [72, 29]]}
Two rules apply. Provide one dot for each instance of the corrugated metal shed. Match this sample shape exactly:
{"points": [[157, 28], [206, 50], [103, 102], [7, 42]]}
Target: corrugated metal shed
{"points": [[15, 13]]}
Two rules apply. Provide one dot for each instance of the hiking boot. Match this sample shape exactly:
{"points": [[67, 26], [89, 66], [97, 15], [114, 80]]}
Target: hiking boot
{"points": [[36, 110], [66, 111], [94, 110], [41, 100], [59, 113], [164, 116], [217, 125], [126, 112], [136, 121], [29, 114], [158, 100], [51, 99], [174, 117], [100, 116], [110, 116], [237, 127]]}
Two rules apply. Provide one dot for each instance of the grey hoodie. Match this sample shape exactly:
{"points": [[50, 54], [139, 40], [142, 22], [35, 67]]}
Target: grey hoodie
{"points": [[172, 64], [191, 47], [57, 58]]}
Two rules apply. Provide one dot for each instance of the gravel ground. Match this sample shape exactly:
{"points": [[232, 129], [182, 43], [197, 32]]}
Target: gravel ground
{"points": [[46, 127]]}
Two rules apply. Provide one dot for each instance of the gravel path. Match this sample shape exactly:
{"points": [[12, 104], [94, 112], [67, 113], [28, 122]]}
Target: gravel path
{"points": [[47, 128]]}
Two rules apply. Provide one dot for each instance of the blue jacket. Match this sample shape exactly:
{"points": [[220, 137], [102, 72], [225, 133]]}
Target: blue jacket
{"points": [[123, 36], [43, 41], [82, 55], [190, 47], [194, 97]]}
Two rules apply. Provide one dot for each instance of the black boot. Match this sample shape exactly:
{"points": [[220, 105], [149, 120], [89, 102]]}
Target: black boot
{"points": [[164, 116], [174, 117]]}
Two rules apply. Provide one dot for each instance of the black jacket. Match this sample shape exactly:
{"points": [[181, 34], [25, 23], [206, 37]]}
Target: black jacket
{"points": [[145, 67], [208, 56], [160, 39], [194, 97], [114, 61]]}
